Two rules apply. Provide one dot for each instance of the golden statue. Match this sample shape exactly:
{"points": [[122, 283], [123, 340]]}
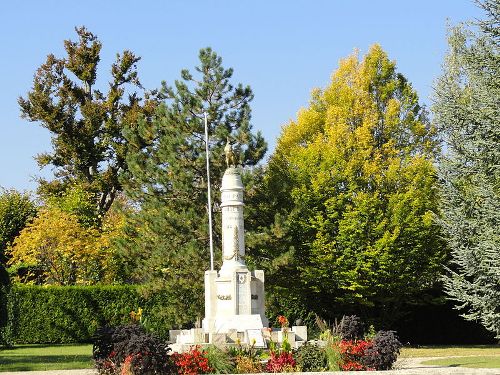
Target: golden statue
{"points": [[231, 159]]}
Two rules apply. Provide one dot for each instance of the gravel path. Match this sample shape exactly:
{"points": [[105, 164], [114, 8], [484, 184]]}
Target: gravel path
{"points": [[404, 366]]}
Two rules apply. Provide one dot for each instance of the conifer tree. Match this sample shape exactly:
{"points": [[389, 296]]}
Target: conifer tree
{"points": [[467, 103], [168, 241]]}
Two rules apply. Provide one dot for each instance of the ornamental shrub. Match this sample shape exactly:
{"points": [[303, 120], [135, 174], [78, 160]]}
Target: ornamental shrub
{"points": [[383, 352], [332, 349], [103, 343], [65, 314], [130, 349], [247, 365], [149, 354], [281, 362], [4, 337], [353, 352], [310, 357], [193, 362], [219, 360], [246, 358], [351, 328]]}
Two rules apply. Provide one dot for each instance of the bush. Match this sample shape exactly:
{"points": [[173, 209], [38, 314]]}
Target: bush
{"points": [[310, 357], [130, 349], [71, 314], [193, 362], [353, 352], [247, 359], [55, 314], [346, 349], [219, 360], [281, 362], [383, 352], [4, 339], [247, 365], [351, 328]]}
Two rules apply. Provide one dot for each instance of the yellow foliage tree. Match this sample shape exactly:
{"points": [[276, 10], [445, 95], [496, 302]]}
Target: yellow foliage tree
{"points": [[63, 251], [351, 189]]}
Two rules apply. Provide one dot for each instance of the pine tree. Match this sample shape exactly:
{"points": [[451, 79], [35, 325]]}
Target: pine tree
{"points": [[467, 102], [168, 241]]}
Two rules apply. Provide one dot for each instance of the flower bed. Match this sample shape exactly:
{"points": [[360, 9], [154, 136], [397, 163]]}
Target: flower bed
{"points": [[130, 350]]}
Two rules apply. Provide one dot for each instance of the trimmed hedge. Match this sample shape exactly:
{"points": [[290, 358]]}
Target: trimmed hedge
{"points": [[69, 314]]}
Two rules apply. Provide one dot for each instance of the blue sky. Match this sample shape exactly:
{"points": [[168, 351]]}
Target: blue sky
{"points": [[282, 49]]}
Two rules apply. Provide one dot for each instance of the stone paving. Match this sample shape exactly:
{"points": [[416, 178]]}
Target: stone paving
{"points": [[414, 371], [404, 366]]}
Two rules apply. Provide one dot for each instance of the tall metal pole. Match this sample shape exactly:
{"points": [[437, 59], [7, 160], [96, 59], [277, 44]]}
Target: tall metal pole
{"points": [[209, 196]]}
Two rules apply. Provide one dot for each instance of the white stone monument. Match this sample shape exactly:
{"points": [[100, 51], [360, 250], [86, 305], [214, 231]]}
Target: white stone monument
{"points": [[234, 296]]}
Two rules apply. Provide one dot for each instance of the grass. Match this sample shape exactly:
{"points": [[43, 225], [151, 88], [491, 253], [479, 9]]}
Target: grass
{"points": [[46, 357], [470, 362], [476, 356], [450, 351]]}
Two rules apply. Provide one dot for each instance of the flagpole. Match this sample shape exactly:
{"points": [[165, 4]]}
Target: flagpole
{"points": [[209, 196]]}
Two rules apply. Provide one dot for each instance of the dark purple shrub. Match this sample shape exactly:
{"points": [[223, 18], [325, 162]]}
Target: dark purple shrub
{"points": [[147, 353], [383, 352], [351, 328]]}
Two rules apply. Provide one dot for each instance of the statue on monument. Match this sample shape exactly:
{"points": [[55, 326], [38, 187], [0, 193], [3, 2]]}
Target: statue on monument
{"points": [[232, 157]]}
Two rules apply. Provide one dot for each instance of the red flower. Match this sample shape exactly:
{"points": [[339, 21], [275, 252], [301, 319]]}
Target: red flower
{"points": [[352, 351], [193, 362], [280, 362], [283, 321], [352, 366]]}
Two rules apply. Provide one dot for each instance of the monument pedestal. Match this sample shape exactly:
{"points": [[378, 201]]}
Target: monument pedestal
{"points": [[234, 301]]}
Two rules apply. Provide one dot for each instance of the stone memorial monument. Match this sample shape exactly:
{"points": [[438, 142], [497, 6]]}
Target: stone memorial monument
{"points": [[234, 296]]}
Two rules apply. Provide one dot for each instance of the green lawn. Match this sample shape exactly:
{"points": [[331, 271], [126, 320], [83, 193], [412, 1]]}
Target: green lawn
{"points": [[447, 351], [45, 357], [476, 356], [471, 362]]}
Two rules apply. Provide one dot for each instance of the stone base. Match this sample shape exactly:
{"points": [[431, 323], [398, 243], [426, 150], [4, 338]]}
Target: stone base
{"points": [[238, 323], [191, 336], [183, 340], [234, 300]]}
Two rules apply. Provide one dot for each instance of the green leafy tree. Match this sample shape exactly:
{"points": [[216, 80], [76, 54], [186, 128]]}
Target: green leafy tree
{"points": [[77, 201], [168, 241], [16, 209], [86, 123], [350, 193], [467, 98]]}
